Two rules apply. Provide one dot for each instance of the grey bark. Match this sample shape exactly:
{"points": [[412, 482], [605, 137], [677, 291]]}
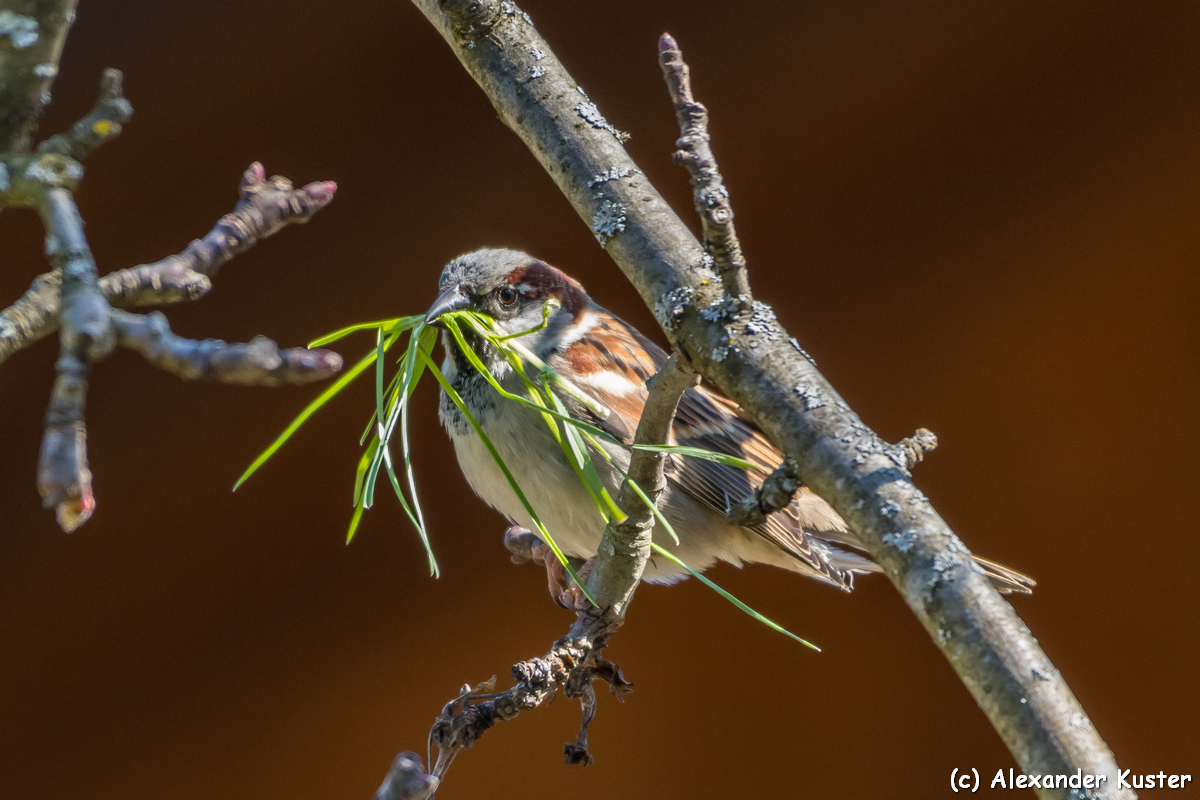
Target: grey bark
{"points": [[696, 156], [866, 479], [32, 33]]}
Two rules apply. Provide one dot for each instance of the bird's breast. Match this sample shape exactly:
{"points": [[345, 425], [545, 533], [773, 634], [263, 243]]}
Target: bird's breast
{"points": [[533, 458]]}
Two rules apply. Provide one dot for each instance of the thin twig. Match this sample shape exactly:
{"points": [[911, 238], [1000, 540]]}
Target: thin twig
{"points": [[259, 363], [101, 124], [264, 208], [696, 155], [625, 546], [570, 666], [775, 494], [916, 447]]}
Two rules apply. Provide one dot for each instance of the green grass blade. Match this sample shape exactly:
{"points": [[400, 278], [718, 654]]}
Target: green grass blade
{"points": [[512, 482], [313, 407], [400, 390], [387, 459], [548, 307], [354, 520], [584, 468], [392, 326], [368, 497], [370, 429], [363, 464], [422, 341], [379, 366], [700, 452], [667, 554], [482, 326]]}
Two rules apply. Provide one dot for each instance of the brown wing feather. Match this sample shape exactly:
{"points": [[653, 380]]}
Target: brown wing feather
{"points": [[808, 529], [711, 421]]}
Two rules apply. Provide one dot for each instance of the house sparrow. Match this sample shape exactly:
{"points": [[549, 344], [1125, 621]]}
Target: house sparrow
{"points": [[610, 360]]}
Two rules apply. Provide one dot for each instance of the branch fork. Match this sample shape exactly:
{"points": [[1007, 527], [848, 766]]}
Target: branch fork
{"points": [[86, 309]]}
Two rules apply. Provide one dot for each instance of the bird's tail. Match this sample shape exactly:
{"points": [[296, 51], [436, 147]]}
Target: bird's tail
{"points": [[848, 556], [1005, 579]]}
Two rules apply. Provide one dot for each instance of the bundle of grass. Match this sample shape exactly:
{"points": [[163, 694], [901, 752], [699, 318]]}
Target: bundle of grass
{"points": [[544, 392]]}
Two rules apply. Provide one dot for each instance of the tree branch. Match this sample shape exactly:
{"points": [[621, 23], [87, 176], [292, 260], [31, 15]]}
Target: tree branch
{"points": [[865, 479], [32, 33], [625, 546], [265, 207], [573, 662], [73, 299], [104, 122], [775, 494], [696, 155], [259, 363], [64, 480]]}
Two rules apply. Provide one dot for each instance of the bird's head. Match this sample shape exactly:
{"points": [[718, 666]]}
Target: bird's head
{"points": [[512, 288]]}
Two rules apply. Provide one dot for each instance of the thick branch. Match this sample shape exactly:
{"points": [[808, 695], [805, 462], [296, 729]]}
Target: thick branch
{"points": [[840, 458], [259, 363], [32, 33]]}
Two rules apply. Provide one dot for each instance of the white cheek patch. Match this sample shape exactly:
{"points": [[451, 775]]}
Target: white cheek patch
{"points": [[611, 382]]}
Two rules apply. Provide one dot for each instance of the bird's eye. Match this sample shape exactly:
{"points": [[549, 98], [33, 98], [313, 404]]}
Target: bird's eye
{"points": [[508, 296]]}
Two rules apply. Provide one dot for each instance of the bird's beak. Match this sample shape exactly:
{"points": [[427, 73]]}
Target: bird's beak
{"points": [[453, 299]]}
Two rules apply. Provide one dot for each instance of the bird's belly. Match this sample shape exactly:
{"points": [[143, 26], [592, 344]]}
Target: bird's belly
{"points": [[565, 507], [541, 470]]}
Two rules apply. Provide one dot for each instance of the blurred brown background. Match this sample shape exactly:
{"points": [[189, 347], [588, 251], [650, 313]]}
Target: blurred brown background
{"points": [[979, 217]]}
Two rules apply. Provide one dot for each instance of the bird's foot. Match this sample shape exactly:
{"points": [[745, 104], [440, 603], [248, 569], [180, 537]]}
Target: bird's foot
{"points": [[526, 546], [569, 594]]}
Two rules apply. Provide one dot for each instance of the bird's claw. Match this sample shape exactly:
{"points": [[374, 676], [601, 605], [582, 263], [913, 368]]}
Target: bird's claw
{"points": [[526, 546], [563, 588]]}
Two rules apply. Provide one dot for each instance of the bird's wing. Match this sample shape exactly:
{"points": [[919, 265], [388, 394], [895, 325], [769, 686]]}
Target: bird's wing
{"points": [[708, 420], [613, 363]]}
